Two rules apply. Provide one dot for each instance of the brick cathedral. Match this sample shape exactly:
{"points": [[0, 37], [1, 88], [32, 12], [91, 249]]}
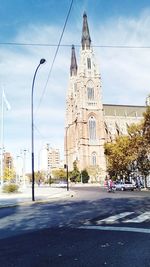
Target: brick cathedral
{"points": [[89, 122]]}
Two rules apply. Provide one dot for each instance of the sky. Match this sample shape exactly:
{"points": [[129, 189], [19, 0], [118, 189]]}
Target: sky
{"points": [[120, 33]]}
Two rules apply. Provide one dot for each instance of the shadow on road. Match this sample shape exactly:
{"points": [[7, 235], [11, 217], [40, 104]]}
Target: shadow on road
{"points": [[67, 213], [41, 235]]}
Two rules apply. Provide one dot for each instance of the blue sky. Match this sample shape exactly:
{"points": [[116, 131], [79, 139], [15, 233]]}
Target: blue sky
{"points": [[124, 72]]}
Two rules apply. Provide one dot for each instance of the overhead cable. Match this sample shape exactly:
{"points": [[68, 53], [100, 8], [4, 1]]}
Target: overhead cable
{"points": [[77, 45], [42, 95]]}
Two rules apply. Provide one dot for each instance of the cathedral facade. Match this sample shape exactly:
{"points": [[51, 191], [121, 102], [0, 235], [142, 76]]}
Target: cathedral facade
{"points": [[89, 122]]}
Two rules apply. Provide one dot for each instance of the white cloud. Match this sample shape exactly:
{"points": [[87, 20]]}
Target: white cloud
{"points": [[125, 72]]}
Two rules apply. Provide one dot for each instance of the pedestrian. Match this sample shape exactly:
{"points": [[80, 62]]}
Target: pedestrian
{"points": [[39, 182], [106, 182], [138, 183], [110, 185]]}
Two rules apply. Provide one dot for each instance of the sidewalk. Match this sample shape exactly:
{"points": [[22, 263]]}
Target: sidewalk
{"points": [[24, 196]]}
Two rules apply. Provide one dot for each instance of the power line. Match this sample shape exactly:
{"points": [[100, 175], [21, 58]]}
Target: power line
{"points": [[58, 45], [77, 45], [31, 44], [122, 46], [56, 52], [41, 135]]}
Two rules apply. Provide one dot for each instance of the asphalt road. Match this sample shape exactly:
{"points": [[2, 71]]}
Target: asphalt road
{"points": [[93, 228]]}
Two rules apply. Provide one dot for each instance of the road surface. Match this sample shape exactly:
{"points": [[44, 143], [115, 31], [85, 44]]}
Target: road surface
{"points": [[93, 228]]}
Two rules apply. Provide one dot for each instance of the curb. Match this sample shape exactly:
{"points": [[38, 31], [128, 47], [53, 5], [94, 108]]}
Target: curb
{"points": [[38, 201]]}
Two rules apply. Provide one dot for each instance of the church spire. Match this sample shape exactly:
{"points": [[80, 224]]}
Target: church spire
{"points": [[73, 66], [86, 40]]}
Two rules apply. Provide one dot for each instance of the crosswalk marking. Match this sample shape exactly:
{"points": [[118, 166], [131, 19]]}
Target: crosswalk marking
{"points": [[141, 218], [114, 228], [114, 218]]}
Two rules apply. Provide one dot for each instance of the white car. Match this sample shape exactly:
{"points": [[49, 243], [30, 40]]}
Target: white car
{"points": [[62, 184], [124, 186]]}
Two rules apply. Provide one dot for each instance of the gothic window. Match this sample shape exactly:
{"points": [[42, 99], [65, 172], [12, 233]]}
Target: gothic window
{"points": [[106, 131], [117, 129], [92, 128], [93, 158], [90, 93], [75, 87], [89, 63], [106, 127], [118, 133]]}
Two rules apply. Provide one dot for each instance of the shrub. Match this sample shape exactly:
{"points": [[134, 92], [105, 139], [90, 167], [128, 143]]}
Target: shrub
{"points": [[10, 188], [85, 176]]}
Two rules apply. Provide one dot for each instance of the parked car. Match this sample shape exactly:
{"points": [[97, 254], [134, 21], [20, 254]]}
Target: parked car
{"points": [[124, 186], [62, 184]]}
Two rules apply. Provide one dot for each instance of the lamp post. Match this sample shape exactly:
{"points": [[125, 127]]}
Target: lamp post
{"points": [[42, 61]]}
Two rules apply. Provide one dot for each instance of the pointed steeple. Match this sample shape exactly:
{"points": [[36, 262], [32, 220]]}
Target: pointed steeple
{"points": [[73, 66], [86, 40]]}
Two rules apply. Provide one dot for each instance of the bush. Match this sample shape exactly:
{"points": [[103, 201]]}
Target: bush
{"points": [[85, 176], [10, 188]]}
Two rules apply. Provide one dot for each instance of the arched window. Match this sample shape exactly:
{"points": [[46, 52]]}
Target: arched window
{"points": [[118, 133], [89, 63], [90, 93], [75, 87], [92, 128], [106, 128], [93, 158], [90, 90], [117, 129]]}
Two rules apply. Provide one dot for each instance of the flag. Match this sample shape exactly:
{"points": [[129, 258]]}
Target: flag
{"points": [[6, 101]]}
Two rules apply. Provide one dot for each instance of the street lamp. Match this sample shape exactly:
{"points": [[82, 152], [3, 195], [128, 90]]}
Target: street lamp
{"points": [[42, 61]]}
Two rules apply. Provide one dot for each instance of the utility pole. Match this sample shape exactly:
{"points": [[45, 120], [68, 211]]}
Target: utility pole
{"points": [[42, 61]]}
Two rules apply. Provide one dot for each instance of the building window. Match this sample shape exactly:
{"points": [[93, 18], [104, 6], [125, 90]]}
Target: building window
{"points": [[89, 63], [117, 129], [94, 159], [75, 87], [92, 128], [90, 93]]}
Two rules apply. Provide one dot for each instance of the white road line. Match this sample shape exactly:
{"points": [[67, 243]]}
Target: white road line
{"points": [[141, 218], [113, 228], [114, 218]]}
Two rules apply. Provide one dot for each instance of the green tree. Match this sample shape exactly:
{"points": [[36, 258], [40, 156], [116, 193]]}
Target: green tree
{"points": [[119, 156], [75, 174], [59, 174], [126, 150], [85, 176], [39, 175], [143, 159], [140, 143], [143, 164], [146, 126], [9, 174]]}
